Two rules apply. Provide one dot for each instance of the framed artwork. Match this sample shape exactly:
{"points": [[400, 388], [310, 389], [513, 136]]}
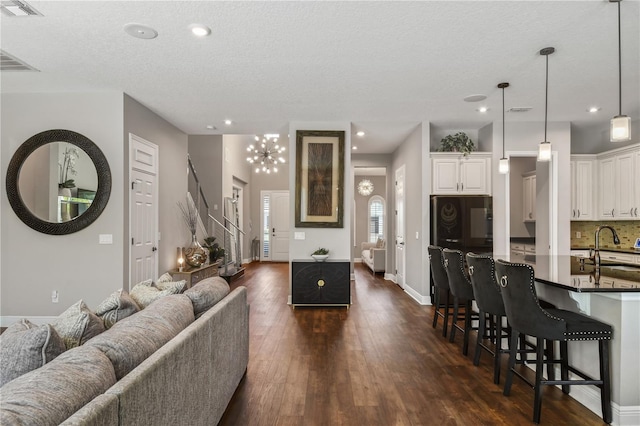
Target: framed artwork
{"points": [[319, 178]]}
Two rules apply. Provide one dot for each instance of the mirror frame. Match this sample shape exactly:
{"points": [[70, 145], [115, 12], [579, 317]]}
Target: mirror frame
{"points": [[102, 192]]}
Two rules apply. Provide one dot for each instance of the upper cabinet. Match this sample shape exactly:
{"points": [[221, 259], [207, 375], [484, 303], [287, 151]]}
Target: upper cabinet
{"points": [[582, 188], [619, 184], [455, 174]]}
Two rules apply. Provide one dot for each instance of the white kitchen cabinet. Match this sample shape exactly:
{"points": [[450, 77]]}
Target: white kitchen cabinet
{"points": [[455, 174], [583, 189], [529, 197], [619, 184]]}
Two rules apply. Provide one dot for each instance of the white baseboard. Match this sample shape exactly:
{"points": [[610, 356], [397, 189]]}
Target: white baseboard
{"points": [[423, 300], [390, 277], [357, 260], [6, 321], [353, 276]]}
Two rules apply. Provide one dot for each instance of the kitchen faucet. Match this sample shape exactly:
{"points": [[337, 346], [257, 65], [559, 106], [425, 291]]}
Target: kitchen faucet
{"points": [[596, 252]]}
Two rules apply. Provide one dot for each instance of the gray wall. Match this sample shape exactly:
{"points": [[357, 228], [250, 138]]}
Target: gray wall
{"points": [[172, 180], [361, 213], [34, 264], [206, 155]]}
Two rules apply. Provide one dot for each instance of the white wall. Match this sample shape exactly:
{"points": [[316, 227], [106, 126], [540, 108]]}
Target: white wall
{"points": [[34, 264], [337, 240]]}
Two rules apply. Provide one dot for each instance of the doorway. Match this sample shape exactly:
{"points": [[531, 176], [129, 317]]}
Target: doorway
{"points": [[274, 225], [400, 231]]}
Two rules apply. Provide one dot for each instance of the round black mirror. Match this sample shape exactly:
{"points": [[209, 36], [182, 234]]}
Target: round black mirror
{"points": [[58, 182]]}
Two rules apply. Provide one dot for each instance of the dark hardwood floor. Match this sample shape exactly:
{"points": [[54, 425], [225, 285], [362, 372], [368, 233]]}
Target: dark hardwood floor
{"points": [[378, 363]]}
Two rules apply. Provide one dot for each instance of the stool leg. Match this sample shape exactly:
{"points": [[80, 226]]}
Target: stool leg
{"points": [[549, 352], [467, 327], [564, 366], [436, 297], [537, 402], [523, 345], [446, 313], [481, 326], [513, 353], [497, 350], [605, 390], [454, 321]]}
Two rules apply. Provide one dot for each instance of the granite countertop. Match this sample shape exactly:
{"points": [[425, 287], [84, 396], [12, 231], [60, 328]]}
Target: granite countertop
{"points": [[581, 277], [629, 250]]}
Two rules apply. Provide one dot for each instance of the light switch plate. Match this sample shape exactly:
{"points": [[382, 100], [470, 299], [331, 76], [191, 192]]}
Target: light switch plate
{"points": [[105, 239], [298, 236]]}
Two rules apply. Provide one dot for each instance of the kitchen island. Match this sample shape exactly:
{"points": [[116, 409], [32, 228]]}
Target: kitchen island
{"points": [[612, 297]]}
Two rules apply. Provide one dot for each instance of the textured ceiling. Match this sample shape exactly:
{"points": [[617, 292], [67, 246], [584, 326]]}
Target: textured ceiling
{"points": [[384, 66]]}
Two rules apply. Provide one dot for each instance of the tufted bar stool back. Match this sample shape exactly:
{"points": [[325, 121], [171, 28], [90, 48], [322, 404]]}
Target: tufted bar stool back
{"points": [[441, 286], [525, 315], [462, 294]]}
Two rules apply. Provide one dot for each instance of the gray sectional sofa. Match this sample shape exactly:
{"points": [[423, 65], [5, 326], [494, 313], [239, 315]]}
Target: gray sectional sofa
{"points": [[120, 378]]}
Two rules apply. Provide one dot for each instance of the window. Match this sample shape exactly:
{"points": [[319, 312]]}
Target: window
{"points": [[376, 218]]}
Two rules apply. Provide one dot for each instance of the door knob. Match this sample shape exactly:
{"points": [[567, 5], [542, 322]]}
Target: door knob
{"points": [[154, 248]]}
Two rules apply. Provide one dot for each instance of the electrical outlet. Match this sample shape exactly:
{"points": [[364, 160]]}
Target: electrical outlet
{"points": [[54, 296], [578, 234]]}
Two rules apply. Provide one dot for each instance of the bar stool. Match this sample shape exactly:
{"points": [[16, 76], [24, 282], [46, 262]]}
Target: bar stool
{"points": [[441, 285], [526, 316], [487, 293], [462, 293]]}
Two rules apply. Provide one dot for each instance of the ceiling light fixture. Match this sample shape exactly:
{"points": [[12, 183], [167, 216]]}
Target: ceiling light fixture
{"points": [[199, 30], [544, 150], [227, 122], [265, 152], [354, 147], [620, 124], [593, 109], [475, 98], [211, 127], [140, 31], [503, 166], [360, 133], [483, 109], [18, 8], [365, 187]]}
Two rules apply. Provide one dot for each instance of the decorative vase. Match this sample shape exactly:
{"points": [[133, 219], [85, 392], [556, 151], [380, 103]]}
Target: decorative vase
{"points": [[65, 206], [195, 255], [320, 257]]}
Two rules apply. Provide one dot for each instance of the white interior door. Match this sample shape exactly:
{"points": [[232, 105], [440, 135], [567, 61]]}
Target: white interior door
{"points": [[400, 247], [279, 226], [143, 210]]}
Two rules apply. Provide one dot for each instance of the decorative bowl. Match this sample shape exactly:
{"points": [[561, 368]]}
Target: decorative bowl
{"points": [[320, 257]]}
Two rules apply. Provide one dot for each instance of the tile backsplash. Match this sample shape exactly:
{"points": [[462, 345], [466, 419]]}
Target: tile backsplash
{"points": [[627, 231]]}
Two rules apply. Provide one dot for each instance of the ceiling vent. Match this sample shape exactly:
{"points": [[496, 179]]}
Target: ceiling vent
{"points": [[520, 109], [11, 63], [18, 8]]}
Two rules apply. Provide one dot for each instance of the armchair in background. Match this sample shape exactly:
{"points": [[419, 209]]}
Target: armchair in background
{"points": [[374, 255]]}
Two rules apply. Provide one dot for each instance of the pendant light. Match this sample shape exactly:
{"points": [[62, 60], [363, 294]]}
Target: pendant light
{"points": [[620, 124], [503, 166], [544, 150]]}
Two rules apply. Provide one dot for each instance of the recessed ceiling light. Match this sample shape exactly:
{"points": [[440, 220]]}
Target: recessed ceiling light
{"points": [[211, 127], [483, 109], [475, 98], [593, 109], [360, 133], [140, 31], [354, 147], [227, 122], [200, 30]]}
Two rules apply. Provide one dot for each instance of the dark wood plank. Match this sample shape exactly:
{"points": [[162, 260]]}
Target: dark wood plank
{"points": [[378, 363]]}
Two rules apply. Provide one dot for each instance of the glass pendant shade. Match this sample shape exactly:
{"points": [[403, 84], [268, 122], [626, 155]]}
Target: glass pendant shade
{"points": [[544, 151], [503, 166], [620, 128]]}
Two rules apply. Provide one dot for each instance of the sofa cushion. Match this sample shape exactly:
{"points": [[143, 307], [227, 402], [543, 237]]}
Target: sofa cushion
{"points": [[132, 340], [24, 347], [207, 293], [145, 292], [117, 306], [49, 395], [78, 324]]}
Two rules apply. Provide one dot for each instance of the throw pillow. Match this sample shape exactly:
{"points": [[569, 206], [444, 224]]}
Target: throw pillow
{"points": [[144, 292], [175, 286], [78, 324], [51, 394], [24, 347], [380, 243], [207, 293], [117, 306], [165, 278]]}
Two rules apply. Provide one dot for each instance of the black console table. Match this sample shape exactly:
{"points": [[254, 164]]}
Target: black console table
{"points": [[325, 283]]}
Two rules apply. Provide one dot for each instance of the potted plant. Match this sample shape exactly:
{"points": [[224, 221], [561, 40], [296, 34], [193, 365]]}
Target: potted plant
{"points": [[215, 251], [459, 142], [320, 255]]}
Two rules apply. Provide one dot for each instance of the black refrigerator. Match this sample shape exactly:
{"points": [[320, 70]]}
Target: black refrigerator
{"points": [[462, 223]]}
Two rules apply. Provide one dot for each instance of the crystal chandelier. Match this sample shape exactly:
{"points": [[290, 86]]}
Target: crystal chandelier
{"points": [[266, 154]]}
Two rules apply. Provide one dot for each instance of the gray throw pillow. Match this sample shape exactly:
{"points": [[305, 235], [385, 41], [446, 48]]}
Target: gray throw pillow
{"points": [[207, 293], [25, 346], [145, 292], [117, 306], [78, 324], [51, 394]]}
